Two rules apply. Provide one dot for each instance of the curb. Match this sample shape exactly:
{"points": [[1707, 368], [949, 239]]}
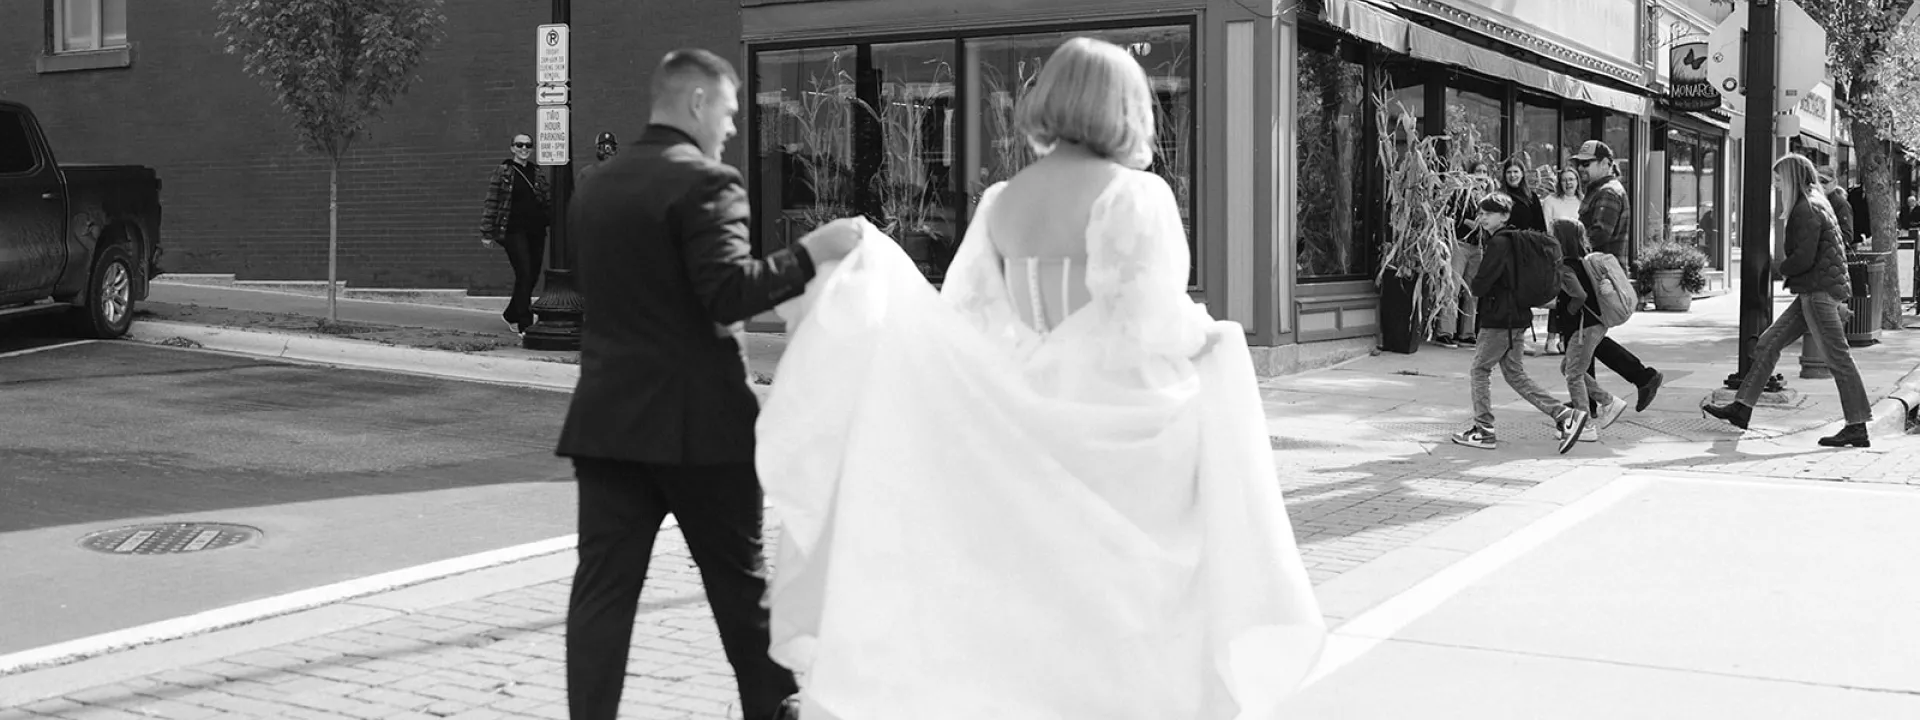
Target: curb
{"points": [[362, 354], [53, 670], [1891, 413], [365, 355]]}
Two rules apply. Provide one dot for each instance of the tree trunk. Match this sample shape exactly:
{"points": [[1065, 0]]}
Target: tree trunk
{"points": [[333, 242], [1883, 213]]}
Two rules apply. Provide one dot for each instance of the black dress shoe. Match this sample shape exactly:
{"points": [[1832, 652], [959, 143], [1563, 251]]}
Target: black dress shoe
{"points": [[1854, 435], [1736, 412], [1650, 389], [789, 709]]}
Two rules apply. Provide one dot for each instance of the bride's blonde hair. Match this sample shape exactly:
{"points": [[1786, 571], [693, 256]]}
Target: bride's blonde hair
{"points": [[1093, 93]]}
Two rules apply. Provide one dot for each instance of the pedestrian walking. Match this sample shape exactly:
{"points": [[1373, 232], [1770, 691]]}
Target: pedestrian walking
{"points": [[1607, 215], [662, 421], [1519, 269], [1579, 311], [1815, 266], [1464, 207], [1842, 210], [518, 209], [1561, 204]]}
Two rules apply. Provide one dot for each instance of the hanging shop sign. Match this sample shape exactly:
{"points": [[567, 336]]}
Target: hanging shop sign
{"points": [[1688, 86]]}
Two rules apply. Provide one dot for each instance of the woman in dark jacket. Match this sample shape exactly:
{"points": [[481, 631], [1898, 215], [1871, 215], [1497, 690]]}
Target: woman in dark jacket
{"points": [[1527, 212], [1815, 267]]}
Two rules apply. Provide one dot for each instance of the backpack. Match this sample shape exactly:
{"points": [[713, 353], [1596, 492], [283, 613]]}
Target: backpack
{"points": [[1536, 268], [1613, 299]]}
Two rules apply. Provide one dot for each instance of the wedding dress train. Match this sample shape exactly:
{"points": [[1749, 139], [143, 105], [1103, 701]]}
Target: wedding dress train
{"points": [[985, 520]]}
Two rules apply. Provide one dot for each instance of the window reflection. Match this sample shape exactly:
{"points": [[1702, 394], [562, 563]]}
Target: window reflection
{"points": [[1331, 103]]}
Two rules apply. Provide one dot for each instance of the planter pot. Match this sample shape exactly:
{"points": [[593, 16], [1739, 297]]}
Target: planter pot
{"points": [[1400, 315], [1668, 295]]}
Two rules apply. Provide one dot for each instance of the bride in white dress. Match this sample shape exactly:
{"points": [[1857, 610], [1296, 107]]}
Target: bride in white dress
{"points": [[1046, 491]]}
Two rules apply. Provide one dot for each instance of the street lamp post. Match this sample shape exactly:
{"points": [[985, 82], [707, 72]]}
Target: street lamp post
{"points": [[1756, 221], [560, 306]]}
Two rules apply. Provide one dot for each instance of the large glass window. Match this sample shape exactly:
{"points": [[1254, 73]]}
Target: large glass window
{"points": [[1332, 160], [1693, 189], [1617, 132], [1475, 119], [81, 25], [909, 134], [1536, 138]]}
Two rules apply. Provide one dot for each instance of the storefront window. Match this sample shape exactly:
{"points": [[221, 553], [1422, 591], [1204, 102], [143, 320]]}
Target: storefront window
{"points": [[1617, 132], [1692, 191], [1536, 137], [1332, 161], [1000, 69], [887, 130], [804, 107], [1474, 122]]}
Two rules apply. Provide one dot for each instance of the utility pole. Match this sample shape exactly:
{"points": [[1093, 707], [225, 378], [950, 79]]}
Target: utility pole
{"points": [[1756, 216], [559, 308]]}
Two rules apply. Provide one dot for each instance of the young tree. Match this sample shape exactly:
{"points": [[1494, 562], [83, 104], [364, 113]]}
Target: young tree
{"points": [[333, 65], [1865, 66]]}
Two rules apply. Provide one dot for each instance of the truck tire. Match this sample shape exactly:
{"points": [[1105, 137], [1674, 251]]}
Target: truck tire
{"points": [[108, 312]]}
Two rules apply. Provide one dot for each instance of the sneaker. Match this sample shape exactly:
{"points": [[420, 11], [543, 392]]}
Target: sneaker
{"points": [[1571, 426], [1611, 412], [1591, 434], [1476, 437], [1444, 340], [513, 327]]}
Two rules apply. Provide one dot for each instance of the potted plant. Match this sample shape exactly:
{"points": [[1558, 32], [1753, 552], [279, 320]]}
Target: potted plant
{"points": [[1416, 275], [1673, 272]]}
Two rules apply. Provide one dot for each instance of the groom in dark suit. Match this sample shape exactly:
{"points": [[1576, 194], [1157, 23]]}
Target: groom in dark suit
{"points": [[662, 420]]}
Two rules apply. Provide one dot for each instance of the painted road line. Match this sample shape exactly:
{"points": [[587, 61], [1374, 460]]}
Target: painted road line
{"points": [[44, 348], [1369, 629], [248, 612]]}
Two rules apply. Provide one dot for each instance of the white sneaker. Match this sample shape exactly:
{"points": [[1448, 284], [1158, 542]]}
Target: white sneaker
{"points": [[1610, 412]]}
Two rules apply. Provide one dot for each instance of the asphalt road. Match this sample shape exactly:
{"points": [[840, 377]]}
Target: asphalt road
{"points": [[345, 473]]}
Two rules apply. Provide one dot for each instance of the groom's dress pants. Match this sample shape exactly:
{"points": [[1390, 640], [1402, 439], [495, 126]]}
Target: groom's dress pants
{"points": [[621, 507]]}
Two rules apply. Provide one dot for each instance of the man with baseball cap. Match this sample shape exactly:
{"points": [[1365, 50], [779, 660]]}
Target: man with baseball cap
{"points": [[603, 148], [1608, 217]]}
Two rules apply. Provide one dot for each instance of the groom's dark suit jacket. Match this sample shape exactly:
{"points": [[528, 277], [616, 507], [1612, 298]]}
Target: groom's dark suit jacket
{"points": [[661, 233]]}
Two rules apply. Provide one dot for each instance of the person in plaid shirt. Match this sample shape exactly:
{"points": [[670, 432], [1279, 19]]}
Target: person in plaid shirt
{"points": [[1608, 217], [518, 209]]}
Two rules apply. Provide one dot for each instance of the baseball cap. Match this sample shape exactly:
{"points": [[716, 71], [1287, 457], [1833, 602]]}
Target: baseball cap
{"points": [[1594, 150], [605, 138]]}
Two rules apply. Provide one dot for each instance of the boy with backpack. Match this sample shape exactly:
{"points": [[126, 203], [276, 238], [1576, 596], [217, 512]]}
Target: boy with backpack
{"points": [[1595, 295], [1519, 270]]}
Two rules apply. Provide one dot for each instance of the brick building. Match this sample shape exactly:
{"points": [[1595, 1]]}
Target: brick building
{"points": [[149, 83]]}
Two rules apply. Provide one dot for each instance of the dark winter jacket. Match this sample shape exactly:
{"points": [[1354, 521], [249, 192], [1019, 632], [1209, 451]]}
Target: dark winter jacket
{"points": [[1843, 214], [1497, 308], [1608, 217], [1528, 214], [1815, 261], [498, 209]]}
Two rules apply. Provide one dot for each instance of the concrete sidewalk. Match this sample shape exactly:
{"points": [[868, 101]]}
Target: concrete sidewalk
{"points": [[1379, 498]]}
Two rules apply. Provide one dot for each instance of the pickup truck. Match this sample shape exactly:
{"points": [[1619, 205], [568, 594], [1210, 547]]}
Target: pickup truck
{"points": [[77, 240]]}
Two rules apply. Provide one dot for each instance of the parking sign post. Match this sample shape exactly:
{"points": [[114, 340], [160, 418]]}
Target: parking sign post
{"points": [[557, 312]]}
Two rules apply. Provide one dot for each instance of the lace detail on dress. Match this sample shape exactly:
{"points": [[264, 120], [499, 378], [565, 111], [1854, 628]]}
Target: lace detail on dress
{"points": [[1137, 266], [976, 280]]}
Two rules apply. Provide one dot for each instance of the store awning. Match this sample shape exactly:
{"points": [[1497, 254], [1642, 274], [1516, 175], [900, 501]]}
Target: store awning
{"points": [[1369, 20]]}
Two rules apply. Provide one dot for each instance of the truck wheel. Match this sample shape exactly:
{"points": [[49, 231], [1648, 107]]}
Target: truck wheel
{"points": [[109, 309]]}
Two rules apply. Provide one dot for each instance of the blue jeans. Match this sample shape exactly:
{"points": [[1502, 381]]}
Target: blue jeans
{"points": [[1583, 389], [1501, 346], [1816, 316]]}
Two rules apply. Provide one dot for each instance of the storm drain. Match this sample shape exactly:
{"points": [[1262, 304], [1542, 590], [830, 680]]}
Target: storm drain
{"points": [[169, 538]]}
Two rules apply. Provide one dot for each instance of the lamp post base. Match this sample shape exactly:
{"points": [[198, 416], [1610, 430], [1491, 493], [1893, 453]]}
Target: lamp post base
{"points": [[558, 313]]}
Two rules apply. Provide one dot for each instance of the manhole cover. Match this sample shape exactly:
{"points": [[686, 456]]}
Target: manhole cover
{"points": [[169, 538]]}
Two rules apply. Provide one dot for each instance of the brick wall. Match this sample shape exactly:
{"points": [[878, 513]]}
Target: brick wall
{"points": [[239, 197]]}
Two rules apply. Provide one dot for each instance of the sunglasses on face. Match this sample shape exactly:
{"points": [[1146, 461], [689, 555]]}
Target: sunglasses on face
{"points": [[523, 145]]}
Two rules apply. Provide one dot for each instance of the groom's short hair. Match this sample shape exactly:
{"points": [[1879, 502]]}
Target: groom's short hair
{"points": [[686, 68]]}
